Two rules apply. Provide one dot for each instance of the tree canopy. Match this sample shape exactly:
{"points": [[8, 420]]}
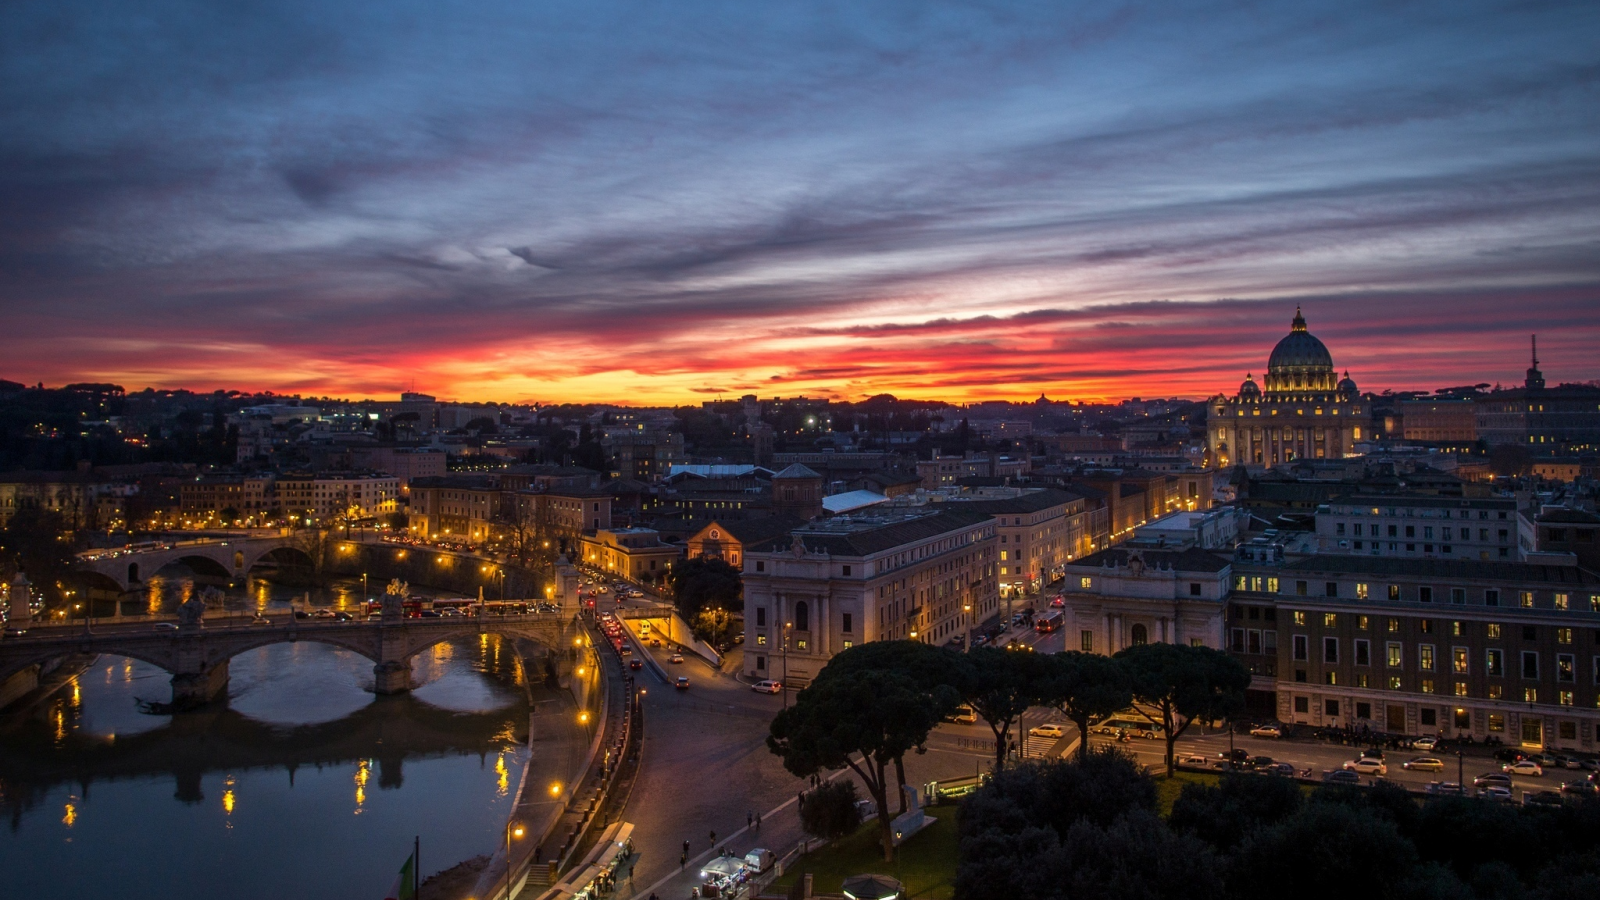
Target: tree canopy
{"points": [[1177, 684], [705, 583], [866, 720], [1085, 686]]}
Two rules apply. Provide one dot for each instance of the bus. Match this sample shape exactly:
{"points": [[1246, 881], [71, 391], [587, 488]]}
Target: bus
{"points": [[1050, 621]]}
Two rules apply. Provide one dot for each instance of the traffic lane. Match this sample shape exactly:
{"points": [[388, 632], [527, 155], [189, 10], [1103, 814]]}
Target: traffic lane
{"points": [[1320, 758]]}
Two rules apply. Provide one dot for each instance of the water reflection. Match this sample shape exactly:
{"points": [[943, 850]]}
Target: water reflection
{"points": [[303, 782]]}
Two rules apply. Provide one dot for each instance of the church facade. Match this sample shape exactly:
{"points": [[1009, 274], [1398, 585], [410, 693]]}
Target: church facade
{"points": [[1303, 411]]}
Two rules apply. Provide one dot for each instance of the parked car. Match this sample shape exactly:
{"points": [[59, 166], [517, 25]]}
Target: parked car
{"points": [[1506, 754], [1278, 768], [675, 658], [1492, 778], [1523, 767], [1423, 764], [1580, 789], [1542, 798], [1372, 753], [767, 687], [1446, 789], [1266, 731], [1495, 792], [1339, 776], [1366, 765], [1048, 730], [1193, 760], [682, 683], [1427, 743]]}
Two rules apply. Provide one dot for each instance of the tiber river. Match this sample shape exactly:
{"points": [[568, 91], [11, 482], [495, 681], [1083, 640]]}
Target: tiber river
{"points": [[303, 784]]}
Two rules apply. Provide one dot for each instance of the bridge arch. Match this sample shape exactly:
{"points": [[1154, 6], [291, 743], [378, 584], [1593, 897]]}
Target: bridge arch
{"points": [[283, 555], [198, 563]]}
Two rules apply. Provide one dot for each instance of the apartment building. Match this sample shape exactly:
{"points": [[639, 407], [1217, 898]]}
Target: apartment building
{"points": [[1426, 527], [1038, 533], [1506, 650], [924, 574]]}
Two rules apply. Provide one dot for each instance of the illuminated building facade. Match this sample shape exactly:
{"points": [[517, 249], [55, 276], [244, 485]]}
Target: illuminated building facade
{"points": [[1304, 411]]}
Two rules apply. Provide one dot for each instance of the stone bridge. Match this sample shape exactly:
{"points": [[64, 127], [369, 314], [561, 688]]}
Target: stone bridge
{"points": [[197, 656], [224, 558]]}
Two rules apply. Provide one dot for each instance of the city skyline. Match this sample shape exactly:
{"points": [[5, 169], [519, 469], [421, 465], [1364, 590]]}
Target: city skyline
{"points": [[659, 207]]}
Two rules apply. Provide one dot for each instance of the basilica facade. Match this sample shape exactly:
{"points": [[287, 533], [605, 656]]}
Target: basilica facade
{"points": [[1303, 411]]}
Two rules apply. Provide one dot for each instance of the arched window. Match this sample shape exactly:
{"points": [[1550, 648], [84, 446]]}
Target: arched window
{"points": [[802, 616], [1140, 635]]}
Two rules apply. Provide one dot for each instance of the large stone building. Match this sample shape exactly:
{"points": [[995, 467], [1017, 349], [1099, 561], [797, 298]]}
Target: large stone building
{"points": [[924, 575], [1423, 527], [1123, 597], [1545, 420], [1448, 647], [1304, 411]]}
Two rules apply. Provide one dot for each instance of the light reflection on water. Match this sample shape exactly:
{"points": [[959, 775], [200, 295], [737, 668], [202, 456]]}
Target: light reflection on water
{"points": [[311, 822]]}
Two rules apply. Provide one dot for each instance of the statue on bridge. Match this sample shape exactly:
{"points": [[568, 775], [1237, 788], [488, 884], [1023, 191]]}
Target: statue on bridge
{"points": [[193, 610], [394, 599]]}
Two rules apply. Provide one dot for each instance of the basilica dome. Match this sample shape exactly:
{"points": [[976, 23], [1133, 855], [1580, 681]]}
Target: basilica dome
{"points": [[1300, 362]]}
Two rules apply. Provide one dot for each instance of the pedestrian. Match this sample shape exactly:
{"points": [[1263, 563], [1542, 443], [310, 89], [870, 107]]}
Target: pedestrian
{"points": [[749, 819], [713, 838], [758, 821], [802, 798], [683, 860], [685, 847], [537, 853]]}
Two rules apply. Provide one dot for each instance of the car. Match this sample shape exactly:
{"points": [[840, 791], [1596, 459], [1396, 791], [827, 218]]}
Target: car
{"points": [[1366, 765], [16, 632], [1194, 760], [1236, 755], [1489, 779], [675, 658], [1058, 602], [1266, 731], [1506, 754], [682, 683], [1523, 767], [1278, 768], [1340, 776], [1426, 744], [1372, 753], [166, 626], [1580, 788], [655, 642], [625, 650], [1048, 730], [1495, 792], [1423, 764], [343, 616], [767, 687], [1542, 798], [1445, 789], [260, 620], [636, 664], [322, 614]]}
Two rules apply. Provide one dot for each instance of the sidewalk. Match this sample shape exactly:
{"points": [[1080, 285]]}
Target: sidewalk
{"points": [[780, 832]]}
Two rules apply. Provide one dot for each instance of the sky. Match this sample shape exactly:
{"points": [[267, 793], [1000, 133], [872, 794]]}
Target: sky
{"points": [[667, 202]]}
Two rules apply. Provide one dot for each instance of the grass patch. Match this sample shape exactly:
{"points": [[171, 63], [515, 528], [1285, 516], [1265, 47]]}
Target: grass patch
{"points": [[1168, 789], [925, 863]]}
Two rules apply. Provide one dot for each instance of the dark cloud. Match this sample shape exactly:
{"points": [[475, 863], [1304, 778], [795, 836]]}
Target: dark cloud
{"points": [[821, 194]]}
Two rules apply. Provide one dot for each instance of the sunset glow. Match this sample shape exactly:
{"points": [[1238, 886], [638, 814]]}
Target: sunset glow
{"points": [[574, 204]]}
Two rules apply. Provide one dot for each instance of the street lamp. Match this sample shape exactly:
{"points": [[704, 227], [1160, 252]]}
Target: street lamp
{"points": [[786, 627], [513, 830], [967, 609]]}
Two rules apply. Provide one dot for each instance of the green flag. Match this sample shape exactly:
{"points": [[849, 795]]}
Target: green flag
{"points": [[404, 887]]}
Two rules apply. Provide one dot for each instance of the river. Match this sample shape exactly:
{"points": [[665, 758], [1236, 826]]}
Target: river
{"points": [[302, 784]]}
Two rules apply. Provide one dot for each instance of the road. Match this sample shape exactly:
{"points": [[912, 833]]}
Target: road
{"points": [[1319, 757], [706, 768]]}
